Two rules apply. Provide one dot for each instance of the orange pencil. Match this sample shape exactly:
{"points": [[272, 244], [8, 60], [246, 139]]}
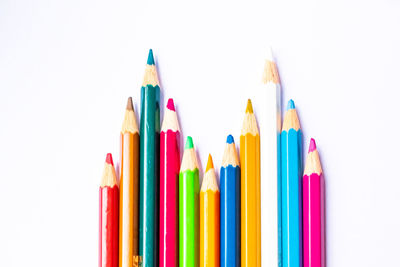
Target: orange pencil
{"points": [[129, 190], [250, 191], [209, 218]]}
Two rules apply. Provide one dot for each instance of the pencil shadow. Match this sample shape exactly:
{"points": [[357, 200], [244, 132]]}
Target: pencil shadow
{"points": [[200, 168], [161, 100], [117, 171], [181, 141], [324, 221]]}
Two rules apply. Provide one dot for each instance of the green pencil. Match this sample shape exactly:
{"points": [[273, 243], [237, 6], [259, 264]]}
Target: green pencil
{"points": [[189, 207], [149, 165]]}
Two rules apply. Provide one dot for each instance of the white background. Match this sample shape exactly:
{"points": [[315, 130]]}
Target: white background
{"points": [[67, 68]]}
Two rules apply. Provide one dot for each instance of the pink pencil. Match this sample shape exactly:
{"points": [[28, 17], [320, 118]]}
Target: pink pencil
{"points": [[169, 178], [313, 210]]}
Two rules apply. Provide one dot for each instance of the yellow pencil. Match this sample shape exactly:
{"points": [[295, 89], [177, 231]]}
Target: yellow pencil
{"points": [[250, 191], [209, 218]]}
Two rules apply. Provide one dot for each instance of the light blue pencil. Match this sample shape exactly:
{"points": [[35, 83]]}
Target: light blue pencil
{"points": [[291, 189]]}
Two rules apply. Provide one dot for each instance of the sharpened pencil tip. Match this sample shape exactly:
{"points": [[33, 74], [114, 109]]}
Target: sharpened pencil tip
{"points": [[129, 105], [290, 105], [109, 159], [150, 58], [170, 104], [249, 108], [210, 164], [230, 139], [313, 146], [189, 143]]}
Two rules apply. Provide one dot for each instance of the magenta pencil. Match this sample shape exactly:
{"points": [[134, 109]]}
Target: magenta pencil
{"points": [[169, 177], [313, 210]]}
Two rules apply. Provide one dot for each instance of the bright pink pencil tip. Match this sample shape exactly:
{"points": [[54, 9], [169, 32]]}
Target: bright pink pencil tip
{"points": [[313, 146], [170, 104], [109, 159]]}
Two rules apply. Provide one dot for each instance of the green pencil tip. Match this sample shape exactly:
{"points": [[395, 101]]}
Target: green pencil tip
{"points": [[189, 143], [150, 59]]}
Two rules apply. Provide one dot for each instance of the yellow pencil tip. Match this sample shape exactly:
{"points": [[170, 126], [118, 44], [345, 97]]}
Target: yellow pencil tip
{"points": [[210, 164], [249, 108]]}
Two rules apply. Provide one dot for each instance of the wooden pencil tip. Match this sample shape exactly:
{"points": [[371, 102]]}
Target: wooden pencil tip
{"points": [[129, 105], [290, 105], [170, 104], [189, 143], [150, 58], [312, 146], [249, 108], [230, 139], [109, 159], [210, 164]]}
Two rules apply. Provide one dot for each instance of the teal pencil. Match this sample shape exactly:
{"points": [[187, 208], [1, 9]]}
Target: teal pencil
{"points": [[149, 166]]}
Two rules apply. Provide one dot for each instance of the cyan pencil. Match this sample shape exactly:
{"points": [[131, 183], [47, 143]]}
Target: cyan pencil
{"points": [[291, 189]]}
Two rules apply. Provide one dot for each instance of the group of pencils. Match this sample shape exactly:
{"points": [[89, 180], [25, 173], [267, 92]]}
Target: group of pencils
{"points": [[262, 212]]}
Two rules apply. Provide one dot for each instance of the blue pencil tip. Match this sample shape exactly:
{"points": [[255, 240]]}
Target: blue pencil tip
{"points": [[290, 105], [230, 139], [150, 59]]}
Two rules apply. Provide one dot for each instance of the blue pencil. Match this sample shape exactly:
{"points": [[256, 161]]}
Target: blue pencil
{"points": [[230, 206], [291, 189]]}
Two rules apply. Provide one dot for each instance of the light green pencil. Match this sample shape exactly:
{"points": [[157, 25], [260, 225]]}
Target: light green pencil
{"points": [[189, 207]]}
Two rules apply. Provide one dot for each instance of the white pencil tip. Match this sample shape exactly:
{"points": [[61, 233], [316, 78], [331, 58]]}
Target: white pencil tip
{"points": [[269, 55]]}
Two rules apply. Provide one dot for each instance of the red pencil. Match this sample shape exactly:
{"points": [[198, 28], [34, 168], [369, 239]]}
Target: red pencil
{"points": [[169, 177], [108, 217]]}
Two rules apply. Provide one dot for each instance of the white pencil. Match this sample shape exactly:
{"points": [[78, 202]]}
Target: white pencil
{"points": [[270, 129]]}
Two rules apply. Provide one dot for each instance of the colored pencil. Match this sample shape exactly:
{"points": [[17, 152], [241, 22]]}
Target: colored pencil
{"points": [[230, 206], [149, 166], [129, 187], [291, 190], [250, 191], [270, 129], [313, 210], [169, 186], [189, 207], [108, 233], [209, 218]]}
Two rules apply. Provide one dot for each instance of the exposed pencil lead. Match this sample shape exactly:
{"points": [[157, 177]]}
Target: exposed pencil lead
{"points": [[170, 104], [230, 139], [249, 108], [210, 164], [189, 143], [312, 146], [150, 58], [269, 54], [109, 159], [129, 105], [290, 105]]}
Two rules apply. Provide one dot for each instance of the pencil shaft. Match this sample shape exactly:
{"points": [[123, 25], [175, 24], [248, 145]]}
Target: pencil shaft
{"points": [[129, 196], [291, 198], [209, 228], [189, 218], [313, 220], [230, 216], [169, 204], [270, 173], [250, 200], [149, 175], [108, 243]]}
